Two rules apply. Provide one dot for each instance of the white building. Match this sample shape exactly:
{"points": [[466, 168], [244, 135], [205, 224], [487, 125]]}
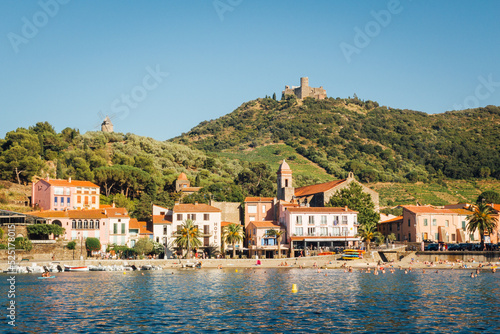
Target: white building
{"points": [[118, 226], [319, 228], [166, 222]]}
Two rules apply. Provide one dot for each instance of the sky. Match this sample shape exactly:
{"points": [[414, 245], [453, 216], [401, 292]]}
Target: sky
{"points": [[159, 68]]}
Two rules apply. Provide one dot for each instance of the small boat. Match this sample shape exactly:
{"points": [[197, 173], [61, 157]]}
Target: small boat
{"points": [[46, 277], [327, 253], [72, 268], [352, 254]]}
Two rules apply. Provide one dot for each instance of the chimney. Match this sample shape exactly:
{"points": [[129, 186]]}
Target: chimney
{"points": [[47, 178], [113, 205], [69, 179], [196, 203], [345, 208]]}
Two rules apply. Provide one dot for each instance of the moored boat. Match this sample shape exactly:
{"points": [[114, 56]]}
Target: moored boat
{"points": [[74, 268]]}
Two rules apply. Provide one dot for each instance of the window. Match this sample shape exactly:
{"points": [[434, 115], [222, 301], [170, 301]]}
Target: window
{"points": [[67, 191], [252, 209], [79, 224], [472, 237], [179, 216], [311, 231], [447, 223], [91, 224], [323, 220], [55, 201], [252, 219], [434, 223], [165, 230], [162, 213], [123, 228], [425, 221], [115, 228], [93, 199], [398, 226], [73, 224], [97, 224], [85, 224], [68, 201], [409, 224], [58, 191], [335, 220], [324, 231], [336, 231], [299, 231], [192, 216], [463, 225], [344, 220], [263, 209], [206, 216], [409, 237], [436, 236], [453, 237], [132, 243], [345, 231], [286, 183], [78, 189], [299, 220], [311, 220]]}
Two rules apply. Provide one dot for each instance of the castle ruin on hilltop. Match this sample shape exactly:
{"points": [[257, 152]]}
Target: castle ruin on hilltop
{"points": [[305, 91]]}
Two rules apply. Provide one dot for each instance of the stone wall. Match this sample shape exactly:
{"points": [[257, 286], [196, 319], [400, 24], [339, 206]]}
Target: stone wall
{"points": [[47, 251], [453, 256]]}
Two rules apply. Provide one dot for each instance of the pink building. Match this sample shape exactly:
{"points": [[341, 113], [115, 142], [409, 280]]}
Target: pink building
{"points": [[58, 195], [434, 223], [80, 224], [259, 209], [262, 245]]}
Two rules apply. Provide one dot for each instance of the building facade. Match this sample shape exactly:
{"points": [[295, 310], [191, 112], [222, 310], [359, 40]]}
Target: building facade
{"points": [[310, 228], [259, 209], [57, 195], [263, 245]]}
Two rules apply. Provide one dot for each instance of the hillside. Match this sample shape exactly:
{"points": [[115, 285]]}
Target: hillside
{"points": [[379, 144]]}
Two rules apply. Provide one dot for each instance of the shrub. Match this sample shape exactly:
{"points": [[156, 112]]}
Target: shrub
{"points": [[71, 245]]}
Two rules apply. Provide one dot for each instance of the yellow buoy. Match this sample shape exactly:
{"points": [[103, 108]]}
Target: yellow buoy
{"points": [[236, 270], [294, 288], [124, 273]]}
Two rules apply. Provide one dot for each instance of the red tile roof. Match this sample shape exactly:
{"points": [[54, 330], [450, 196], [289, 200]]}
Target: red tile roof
{"points": [[320, 210], [116, 212], [264, 224], [67, 183], [496, 207], [188, 208], [222, 224], [141, 226], [71, 214], [317, 188], [434, 210], [191, 189], [182, 176], [393, 220], [160, 219], [259, 199]]}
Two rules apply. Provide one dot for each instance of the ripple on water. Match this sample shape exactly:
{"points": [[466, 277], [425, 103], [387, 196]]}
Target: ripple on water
{"points": [[201, 301]]}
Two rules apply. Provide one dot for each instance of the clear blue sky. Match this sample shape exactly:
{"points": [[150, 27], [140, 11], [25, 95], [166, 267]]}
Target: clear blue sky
{"points": [[64, 64]]}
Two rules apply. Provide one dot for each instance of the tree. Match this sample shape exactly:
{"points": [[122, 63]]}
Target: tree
{"points": [[71, 245], [482, 220], [355, 199], [144, 246], [276, 234], [368, 232], [23, 243], [188, 236], [92, 245], [232, 234], [274, 96], [257, 180], [42, 231], [489, 197]]}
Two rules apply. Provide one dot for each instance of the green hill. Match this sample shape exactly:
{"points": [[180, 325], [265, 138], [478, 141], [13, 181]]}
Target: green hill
{"points": [[378, 144]]}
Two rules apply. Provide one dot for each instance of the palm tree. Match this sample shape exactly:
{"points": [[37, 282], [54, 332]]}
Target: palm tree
{"points": [[232, 234], [481, 219], [276, 234], [188, 236], [368, 232]]}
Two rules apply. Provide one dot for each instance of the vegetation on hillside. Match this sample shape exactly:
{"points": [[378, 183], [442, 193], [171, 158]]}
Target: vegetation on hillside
{"points": [[378, 144]]}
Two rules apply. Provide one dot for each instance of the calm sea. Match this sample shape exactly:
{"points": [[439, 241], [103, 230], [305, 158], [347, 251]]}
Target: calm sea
{"points": [[255, 301]]}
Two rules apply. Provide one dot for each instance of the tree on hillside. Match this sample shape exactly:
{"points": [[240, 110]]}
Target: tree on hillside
{"points": [[355, 199], [482, 220], [489, 197], [257, 180]]}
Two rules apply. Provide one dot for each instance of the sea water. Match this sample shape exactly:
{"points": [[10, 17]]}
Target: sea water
{"points": [[255, 301]]}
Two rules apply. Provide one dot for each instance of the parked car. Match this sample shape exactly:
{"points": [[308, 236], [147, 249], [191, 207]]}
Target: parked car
{"points": [[432, 247], [454, 247]]}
